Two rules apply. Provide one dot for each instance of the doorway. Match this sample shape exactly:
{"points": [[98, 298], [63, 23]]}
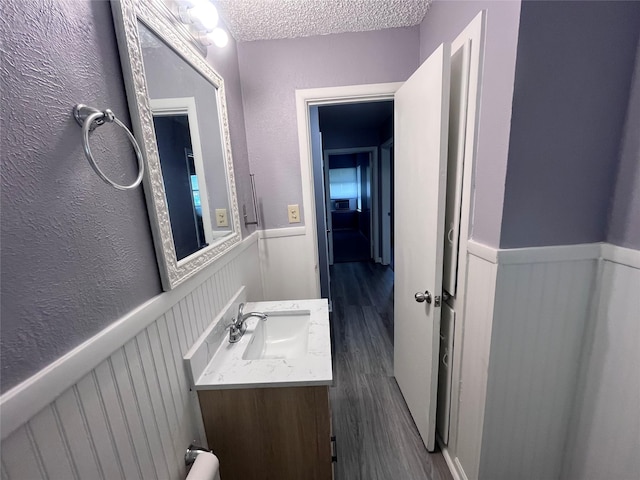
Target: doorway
{"points": [[348, 138], [470, 40]]}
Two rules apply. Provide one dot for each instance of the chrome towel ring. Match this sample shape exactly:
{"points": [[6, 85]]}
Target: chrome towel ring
{"points": [[89, 119]]}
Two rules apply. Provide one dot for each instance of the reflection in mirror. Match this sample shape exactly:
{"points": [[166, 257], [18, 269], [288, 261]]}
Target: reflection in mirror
{"points": [[179, 122], [178, 109], [181, 186]]}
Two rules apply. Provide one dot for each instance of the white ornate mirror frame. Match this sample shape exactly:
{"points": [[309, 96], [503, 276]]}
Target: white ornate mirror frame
{"points": [[154, 15]]}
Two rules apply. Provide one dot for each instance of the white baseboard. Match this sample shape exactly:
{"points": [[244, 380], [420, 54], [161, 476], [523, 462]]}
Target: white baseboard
{"points": [[454, 466]]}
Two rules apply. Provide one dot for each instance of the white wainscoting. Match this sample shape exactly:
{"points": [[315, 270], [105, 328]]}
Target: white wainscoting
{"points": [[605, 432], [554, 393], [119, 406], [289, 264], [540, 318], [473, 352]]}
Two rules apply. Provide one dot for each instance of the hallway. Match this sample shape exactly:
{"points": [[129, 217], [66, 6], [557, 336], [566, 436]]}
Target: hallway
{"points": [[376, 438]]}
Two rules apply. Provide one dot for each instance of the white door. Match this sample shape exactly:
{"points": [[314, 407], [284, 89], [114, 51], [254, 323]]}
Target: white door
{"points": [[420, 141]]}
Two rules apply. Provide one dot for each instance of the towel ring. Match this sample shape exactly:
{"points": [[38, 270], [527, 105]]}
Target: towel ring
{"points": [[89, 119]]}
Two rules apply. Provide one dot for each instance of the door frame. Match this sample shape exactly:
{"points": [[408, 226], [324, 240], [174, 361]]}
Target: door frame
{"points": [[373, 179], [475, 31], [306, 98], [385, 201]]}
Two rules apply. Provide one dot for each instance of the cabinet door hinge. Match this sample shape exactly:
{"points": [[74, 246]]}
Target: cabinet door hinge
{"points": [[334, 450]]}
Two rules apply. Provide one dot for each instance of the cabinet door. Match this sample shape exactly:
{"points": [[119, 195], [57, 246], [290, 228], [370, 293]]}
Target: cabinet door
{"points": [[269, 433]]}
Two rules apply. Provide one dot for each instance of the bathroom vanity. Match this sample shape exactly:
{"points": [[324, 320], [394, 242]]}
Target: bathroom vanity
{"points": [[265, 399]]}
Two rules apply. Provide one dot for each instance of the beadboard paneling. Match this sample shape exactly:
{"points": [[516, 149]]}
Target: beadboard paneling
{"points": [[540, 318], [474, 364], [605, 433], [132, 416]]}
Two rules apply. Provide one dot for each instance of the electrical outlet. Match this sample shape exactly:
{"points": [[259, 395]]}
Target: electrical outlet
{"points": [[294, 213], [221, 217]]}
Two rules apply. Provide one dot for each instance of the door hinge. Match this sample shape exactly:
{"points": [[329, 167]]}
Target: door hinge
{"points": [[334, 450]]}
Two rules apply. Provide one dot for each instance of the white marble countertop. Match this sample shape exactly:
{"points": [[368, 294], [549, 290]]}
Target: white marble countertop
{"points": [[227, 369]]}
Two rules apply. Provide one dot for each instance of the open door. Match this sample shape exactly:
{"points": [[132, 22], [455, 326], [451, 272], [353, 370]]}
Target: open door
{"points": [[420, 143]]}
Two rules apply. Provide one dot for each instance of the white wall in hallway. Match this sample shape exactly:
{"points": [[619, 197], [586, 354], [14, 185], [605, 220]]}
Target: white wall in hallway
{"points": [[128, 414]]}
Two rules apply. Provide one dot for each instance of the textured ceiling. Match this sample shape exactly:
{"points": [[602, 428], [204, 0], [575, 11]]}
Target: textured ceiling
{"points": [[270, 19]]}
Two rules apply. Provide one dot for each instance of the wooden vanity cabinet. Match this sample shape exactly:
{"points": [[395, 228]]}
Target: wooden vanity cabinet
{"points": [[269, 433]]}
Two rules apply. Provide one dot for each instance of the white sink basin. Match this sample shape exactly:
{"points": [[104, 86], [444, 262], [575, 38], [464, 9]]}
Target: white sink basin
{"points": [[283, 335]]}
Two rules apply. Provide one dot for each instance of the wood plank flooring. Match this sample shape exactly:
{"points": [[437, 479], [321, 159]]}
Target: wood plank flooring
{"points": [[376, 438]]}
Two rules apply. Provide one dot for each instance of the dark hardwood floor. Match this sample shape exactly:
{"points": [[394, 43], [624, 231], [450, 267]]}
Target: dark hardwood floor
{"points": [[376, 438], [350, 246]]}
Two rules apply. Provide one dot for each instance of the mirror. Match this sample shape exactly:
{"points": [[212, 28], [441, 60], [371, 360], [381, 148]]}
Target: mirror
{"points": [[178, 109]]}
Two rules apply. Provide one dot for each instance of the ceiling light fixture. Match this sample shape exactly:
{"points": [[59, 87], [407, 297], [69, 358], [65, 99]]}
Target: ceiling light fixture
{"points": [[202, 16]]}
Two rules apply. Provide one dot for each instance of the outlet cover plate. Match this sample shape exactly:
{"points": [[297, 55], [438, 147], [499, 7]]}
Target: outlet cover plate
{"points": [[221, 217]]}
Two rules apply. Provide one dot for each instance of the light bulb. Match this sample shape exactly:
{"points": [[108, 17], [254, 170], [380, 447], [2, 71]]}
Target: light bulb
{"points": [[203, 14], [219, 37]]}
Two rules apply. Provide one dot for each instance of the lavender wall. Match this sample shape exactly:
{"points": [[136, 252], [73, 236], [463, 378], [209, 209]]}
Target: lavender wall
{"points": [[444, 21], [573, 73], [624, 218], [76, 254], [271, 72]]}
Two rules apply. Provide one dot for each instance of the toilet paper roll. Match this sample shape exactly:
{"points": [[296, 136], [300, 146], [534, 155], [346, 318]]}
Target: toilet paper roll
{"points": [[205, 467]]}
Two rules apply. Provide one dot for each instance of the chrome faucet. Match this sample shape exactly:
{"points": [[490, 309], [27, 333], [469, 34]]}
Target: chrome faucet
{"points": [[238, 326]]}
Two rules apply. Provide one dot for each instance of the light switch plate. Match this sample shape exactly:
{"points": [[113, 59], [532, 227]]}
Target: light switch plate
{"points": [[221, 217], [294, 213]]}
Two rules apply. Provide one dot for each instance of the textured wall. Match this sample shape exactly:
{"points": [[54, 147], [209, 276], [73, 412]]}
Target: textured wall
{"points": [[76, 254], [573, 73], [624, 219], [444, 21], [271, 72]]}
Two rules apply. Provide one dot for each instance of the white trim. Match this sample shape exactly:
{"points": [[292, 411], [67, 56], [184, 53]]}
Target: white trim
{"points": [[23, 401], [556, 253], [451, 463], [325, 96], [475, 31], [282, 232], [551, 253], [621, 255], [485, 252], [155, 15], [163, 107]]}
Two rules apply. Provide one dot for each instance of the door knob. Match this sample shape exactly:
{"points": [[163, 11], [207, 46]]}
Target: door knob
{"points": [[422, 297]]}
